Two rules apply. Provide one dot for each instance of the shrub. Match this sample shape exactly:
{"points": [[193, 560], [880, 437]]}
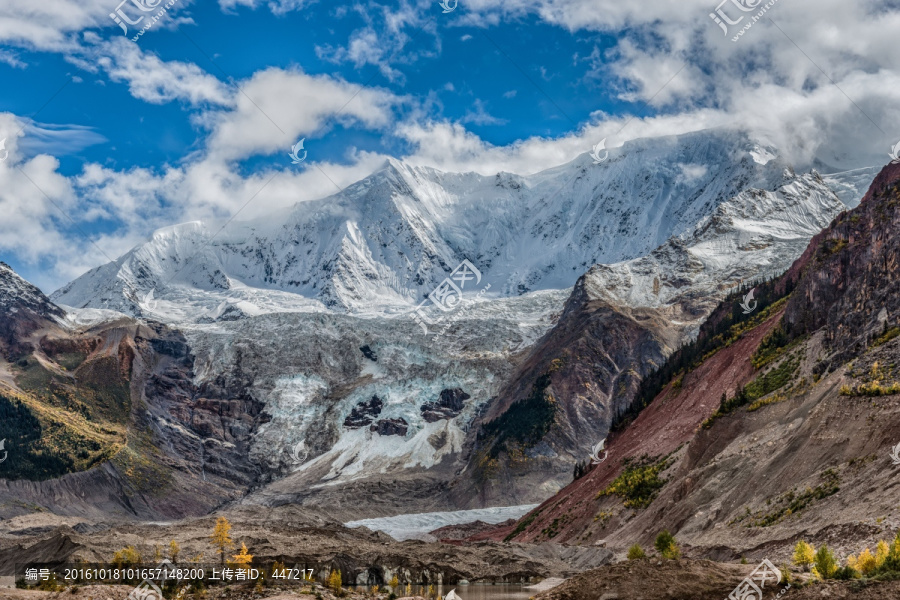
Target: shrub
{"points": [[242, 559], [804, 554], [786, 572], [126, 557], [174, 551], [637, 485], [892, 560], [846, 573], [636, 552], [666, 545], [826, 565]]}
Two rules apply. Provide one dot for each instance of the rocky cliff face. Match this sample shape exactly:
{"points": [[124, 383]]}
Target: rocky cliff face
{"points": [[23, 309], [850, 275], [100, 415], [620, 324], [801, 447]]}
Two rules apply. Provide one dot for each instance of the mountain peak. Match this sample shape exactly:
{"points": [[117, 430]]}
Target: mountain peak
{"points": [[385, 241], [18, 294]]}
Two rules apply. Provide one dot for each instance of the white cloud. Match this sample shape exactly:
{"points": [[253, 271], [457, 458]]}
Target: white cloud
{"points": [[57, 140], [277, 107], [278, 7], [12, 59], [478, 115], [48, 24], [157, 81], [387, 38]]}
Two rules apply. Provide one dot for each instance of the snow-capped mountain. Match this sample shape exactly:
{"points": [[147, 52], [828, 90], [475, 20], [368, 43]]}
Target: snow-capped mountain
{"points": [[18, 295], [758, 233], [386, 241], [352, 397]]}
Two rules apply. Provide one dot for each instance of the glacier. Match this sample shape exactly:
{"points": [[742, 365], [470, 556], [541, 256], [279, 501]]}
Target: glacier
{"points": [[281, 307]]}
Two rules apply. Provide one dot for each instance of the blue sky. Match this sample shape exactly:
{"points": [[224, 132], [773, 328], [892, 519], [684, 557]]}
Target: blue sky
{"points": [[110, 139], [538, 82]]}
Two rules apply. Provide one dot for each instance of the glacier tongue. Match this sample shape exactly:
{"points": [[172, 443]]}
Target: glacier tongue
{"points": [[417, 526]]}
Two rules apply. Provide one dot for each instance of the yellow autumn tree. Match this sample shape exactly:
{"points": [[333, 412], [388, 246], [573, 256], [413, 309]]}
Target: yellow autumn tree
{"points": [[334, 581], [866, 564], [174, 551], [221, 537], [242, 559], [394, 582], [881, 553], [804, 554], [126, 557]]}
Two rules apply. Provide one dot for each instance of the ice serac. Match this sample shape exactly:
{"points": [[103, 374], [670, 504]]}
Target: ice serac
{"points": [[622, 321], [384, 242], [808, 453]]}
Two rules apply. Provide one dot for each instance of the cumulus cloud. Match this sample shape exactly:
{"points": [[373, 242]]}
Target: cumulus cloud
{"points": [[277, 106], [48, 25]]}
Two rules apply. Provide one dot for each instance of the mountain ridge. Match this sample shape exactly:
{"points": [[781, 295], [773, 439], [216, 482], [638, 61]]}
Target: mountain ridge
{"points": [[385, 241], [798, 446]]}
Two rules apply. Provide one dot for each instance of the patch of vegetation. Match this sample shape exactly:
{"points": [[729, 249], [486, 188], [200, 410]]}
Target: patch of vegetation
{"points": [[793, 502], [773, 399], [522, 526], [871, 389], [551, 531], [765, 384], [99, 390], [639, 483], [636, 552], [70, 360], [525, 423], [666, 545], [603, 516], [62, 424], [725, 326], [833, 246], [140, 463], [26, 448], [886, 336], [773, 346], [874, 384], [774, 379]]}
